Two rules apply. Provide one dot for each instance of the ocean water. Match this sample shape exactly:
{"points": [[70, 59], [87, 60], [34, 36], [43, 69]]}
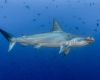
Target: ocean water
{"points": [[28, 17]]}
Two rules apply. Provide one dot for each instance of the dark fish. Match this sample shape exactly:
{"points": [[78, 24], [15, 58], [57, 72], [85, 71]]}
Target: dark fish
{"points": [[92, 4], [46, 7], [38, 14], [34, 20], [95, 30], [1, 6], [42, 25], [97, 24], [74, 16], [6, 1], [78, 1], [83, 22], [24, 2], [56, 6], [77, 28], [53, 0], [79, 18], [4, 17], [98, 20], [27, 6]]}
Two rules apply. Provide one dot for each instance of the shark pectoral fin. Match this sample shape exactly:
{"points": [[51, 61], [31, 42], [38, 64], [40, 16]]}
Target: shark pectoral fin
{"points": [[61, 49], [66, 51], [11, 45]]}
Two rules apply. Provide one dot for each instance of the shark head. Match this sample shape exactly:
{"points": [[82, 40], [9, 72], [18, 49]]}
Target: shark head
{"points": [[90, 40], [79, 41]]}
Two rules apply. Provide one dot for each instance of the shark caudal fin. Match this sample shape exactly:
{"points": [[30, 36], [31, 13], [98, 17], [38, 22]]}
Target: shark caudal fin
{"points": [[8, 38]]}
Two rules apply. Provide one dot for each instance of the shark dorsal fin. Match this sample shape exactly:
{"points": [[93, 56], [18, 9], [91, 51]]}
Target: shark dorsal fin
{"points": [[56, 26]]}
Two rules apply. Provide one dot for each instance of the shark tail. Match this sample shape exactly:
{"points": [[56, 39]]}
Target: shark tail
{"points": [[9, 38]]}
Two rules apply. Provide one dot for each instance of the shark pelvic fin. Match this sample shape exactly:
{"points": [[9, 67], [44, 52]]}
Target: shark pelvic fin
{"points": [[66, 51], [11, 45], [56, 26], [61, 49]]}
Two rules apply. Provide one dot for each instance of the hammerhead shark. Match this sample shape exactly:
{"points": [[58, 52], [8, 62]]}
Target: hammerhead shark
{"points": [[56, 38]]}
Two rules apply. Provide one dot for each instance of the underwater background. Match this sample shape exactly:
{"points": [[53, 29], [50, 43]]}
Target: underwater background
{"points": [[28, 17]]}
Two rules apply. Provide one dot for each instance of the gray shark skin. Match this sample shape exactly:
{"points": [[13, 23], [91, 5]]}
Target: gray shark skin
{"points": [[57, 38]]}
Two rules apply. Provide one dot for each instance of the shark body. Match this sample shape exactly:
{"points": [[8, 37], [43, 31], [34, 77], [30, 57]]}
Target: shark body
{"points": [[57, 38]]}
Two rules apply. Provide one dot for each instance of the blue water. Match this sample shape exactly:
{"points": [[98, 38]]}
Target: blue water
{"points": [[26, 17]]}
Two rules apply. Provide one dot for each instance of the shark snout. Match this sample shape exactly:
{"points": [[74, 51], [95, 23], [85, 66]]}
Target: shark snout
{"points": [[90, 40]]}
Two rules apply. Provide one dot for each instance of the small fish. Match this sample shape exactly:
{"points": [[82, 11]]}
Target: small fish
{"points": [[1, 6], [79, 18], [95, 30], [38, 14], [83, 22], [56, 6], [34, 20], [46, 7], [77, 28], [4, 17], [42, 25], [27, 6], [74, 16], [92, 4], [53, 0], [78, 1], [24, 2], [6, 1], [98, 20], [97, 24]]}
